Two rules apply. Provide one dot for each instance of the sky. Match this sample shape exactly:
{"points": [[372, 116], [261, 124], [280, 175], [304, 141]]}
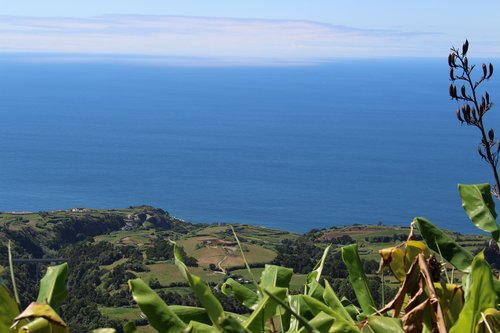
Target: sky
{"points": [[257, 30]]}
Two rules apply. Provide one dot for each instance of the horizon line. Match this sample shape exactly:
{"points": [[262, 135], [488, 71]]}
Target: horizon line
{"points": [[38, 57]]}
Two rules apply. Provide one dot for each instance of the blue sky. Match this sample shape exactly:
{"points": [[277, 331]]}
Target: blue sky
{"points": [[284, 30]]}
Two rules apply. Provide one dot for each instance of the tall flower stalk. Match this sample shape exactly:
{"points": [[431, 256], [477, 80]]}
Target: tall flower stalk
{"points": [[473, 106]]}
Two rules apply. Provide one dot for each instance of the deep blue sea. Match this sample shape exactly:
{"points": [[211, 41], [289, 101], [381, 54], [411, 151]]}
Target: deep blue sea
{"points": [[295, 148]]}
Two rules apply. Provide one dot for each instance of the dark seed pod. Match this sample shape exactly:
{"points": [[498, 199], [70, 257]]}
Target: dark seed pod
{"points": [[485, 71], [466, 113], [474, 114], [455, 91], [467, 118], [474, 110], [459, 117], [466, 62], [463, 91], [452, 95], [452, 76], [483, 102], [491, 134], [491, 71], [465, 47], [487, 98], [481, 110], [450, 60]]}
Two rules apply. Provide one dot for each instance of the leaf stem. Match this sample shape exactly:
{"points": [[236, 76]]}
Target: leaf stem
{"points": [[11, 268]]}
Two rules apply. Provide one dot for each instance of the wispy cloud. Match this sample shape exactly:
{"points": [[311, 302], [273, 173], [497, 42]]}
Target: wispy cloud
{"points": [[177, 36]]}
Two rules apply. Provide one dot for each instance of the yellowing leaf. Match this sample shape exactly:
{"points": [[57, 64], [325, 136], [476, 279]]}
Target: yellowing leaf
{"points": [[393, 257], [35, 310], [413, 249], [490, 321], [42, 318], [451, 299]]}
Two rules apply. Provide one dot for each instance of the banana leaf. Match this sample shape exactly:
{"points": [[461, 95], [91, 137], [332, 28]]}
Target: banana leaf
{"points": [[334, 303], [201, 290], [159, 315], [275, 276], [53, 289], [266, 309], [247, 297], [481, 296], [443, 244], [357, 278], [480, 207], [9, 309], [379, 324]]}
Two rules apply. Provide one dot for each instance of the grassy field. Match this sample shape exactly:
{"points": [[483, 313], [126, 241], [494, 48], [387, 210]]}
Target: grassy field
{"points": [[248, 234], [167, 273], [137, 237]]}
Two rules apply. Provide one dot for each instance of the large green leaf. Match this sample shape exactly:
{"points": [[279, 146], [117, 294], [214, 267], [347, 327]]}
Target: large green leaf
{"points": [[159, 315], [443, 244], [294, 309], [189, 313], [313, 287], [201, 290], [481, 296], [294, 302], [480, 207], [322, 323], [334, 303], [340, 325], [266, 308], [357, 278], [275, 276], [351, 309], [53, 286], [380, 324], [8, 309], [247, 297], [318, 268]]}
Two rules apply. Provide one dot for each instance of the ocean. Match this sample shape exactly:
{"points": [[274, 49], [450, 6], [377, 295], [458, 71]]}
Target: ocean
{"points": [[291, 147]]}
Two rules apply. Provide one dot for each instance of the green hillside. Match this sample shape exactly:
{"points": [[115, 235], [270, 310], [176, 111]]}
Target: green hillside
{"points": [[106, 248]]}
